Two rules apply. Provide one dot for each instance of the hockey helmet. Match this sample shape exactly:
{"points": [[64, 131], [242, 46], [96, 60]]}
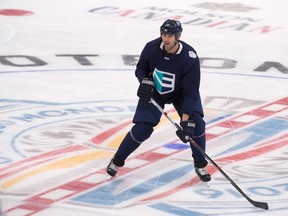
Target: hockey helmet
{"points": [[171, 27]]}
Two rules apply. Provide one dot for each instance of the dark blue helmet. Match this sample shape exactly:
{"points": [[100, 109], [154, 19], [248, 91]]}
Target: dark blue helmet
{"points": [[171, 27]]}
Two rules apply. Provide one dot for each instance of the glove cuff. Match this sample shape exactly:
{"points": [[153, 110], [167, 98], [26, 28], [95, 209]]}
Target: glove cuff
{"points": [[148, 81], [188, 123]]}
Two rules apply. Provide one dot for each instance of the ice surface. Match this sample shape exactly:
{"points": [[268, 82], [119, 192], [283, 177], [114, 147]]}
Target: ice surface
{"points": [[68, 96]]}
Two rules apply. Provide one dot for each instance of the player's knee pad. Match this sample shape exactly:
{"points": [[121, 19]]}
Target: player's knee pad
{"points": [[199, 125], [141, 131]]}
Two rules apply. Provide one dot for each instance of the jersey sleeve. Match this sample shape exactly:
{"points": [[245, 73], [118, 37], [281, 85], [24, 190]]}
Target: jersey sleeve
{"points": [[142, 67], [191, 84]]}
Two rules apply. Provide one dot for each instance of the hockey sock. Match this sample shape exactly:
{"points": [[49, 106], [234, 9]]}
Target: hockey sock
{"points": [[139, 133]]}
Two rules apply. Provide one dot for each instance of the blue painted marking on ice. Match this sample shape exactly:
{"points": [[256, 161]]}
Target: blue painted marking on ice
{"points": [[219, 118], [110, 194], [176, 146], [175, 210], [258, 132]]}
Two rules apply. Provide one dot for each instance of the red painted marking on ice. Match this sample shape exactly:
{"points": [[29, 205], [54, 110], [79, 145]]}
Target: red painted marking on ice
{"points": [[275, 144], [73, 188], [38, 202], [152, 156], [106, 134], [36, 160], [100, 138], [279, 142], [235, 122], [15, 12]]}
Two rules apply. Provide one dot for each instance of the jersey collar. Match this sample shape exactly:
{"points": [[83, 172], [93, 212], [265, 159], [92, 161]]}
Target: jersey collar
{"points": [[179, 50]]}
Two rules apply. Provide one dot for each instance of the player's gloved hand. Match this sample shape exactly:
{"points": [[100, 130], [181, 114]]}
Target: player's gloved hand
{"points": [[146, 88], [187, 131]]}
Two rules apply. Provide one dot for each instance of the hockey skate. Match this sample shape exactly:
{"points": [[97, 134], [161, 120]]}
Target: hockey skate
{"points": [[203, 174], [112, 169]]}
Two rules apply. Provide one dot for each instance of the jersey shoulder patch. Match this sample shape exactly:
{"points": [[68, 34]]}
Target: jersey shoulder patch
{"points": [[192, 54]]}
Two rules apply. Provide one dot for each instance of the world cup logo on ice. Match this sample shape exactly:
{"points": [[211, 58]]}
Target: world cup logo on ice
{"points": [[75, 141]]}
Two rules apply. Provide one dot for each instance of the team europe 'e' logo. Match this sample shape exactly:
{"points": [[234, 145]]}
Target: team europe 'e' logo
{"points": [[164, 81]]}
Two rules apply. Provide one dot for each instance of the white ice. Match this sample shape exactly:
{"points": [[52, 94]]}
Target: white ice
{"points": [[67, 80]]}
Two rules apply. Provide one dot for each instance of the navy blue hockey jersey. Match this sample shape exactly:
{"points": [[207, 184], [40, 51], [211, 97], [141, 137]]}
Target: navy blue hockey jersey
{"points": [[174, 75]]}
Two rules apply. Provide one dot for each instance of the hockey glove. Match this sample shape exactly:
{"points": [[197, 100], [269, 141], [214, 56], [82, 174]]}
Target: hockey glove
{"points": [[187, 130], [146, 88]]}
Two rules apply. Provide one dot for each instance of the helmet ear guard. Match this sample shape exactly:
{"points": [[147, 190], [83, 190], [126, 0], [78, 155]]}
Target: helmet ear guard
{"points": [[177, 36]]}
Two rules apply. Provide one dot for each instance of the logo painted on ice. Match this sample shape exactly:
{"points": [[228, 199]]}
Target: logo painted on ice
{"points": [[164, 81], [89, 186], [235, 7]]}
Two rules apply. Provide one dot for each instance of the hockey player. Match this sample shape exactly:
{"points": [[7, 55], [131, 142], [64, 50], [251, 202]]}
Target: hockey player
{"points": [[168, 71]]}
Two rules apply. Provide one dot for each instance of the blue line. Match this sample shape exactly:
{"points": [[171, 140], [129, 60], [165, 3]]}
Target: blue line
{"points": [[64, 70], [113, 69], [57, 104], [249, 75]]}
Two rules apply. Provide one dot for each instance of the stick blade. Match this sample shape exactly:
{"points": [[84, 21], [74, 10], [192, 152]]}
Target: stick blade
{"points": [[261, 205]]}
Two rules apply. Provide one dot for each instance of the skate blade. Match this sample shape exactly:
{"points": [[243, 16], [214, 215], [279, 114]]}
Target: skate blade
{"points": [[206, 184], [109, 177]]}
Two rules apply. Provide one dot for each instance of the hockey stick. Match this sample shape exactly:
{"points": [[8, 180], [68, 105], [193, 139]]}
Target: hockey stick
{"points": [[257, 204]]}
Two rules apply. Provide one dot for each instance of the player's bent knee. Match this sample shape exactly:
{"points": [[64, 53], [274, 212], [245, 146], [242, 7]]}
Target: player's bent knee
{"points": [[142, 131]]}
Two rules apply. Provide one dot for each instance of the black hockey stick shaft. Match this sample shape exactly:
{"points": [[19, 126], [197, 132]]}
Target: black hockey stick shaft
{"points": [[262, 205]]}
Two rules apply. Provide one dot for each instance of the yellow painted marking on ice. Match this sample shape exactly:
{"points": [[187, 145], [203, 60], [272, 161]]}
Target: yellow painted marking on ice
{"points": [[59, 164], [164, 120], [116, 142]]}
